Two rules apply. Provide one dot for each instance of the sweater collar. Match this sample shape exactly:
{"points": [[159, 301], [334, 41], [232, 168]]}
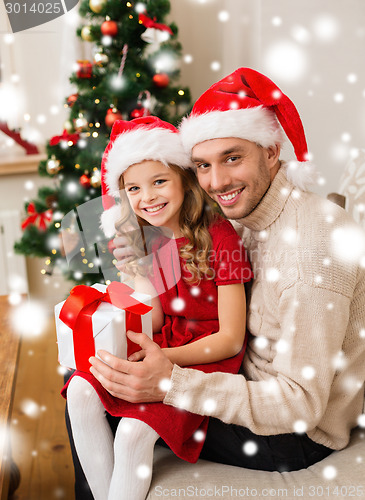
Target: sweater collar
{"points": [[271, 205]]}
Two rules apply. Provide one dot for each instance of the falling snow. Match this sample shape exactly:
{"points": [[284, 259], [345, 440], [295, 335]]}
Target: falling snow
{"points": [[199, 436], [178, 304], [300, 427], [329, 472], [250, 448]]}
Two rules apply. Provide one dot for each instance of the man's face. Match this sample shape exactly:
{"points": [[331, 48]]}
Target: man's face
{"points": [[236, 173]]}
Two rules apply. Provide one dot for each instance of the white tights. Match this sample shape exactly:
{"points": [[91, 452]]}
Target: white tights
{"points": [[123, 473]]}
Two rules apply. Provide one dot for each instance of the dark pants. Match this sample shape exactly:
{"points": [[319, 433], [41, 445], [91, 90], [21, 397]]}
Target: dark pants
{"points": [[235, 445], [226, 444]]}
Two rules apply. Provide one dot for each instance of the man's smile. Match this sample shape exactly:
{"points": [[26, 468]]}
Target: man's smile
{"points": [[229, 198]]}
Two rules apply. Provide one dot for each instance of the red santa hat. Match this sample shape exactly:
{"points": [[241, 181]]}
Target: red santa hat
{"points": [[248, 105], [131, 142]]}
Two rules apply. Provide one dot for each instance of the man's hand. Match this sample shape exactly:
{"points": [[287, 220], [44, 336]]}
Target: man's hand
{"points": [[143, 382]]}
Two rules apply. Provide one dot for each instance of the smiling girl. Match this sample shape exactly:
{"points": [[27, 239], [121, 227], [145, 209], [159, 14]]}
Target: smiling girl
{"points": [[161, 198]]}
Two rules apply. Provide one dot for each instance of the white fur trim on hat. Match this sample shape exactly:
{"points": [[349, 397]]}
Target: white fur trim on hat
{"points": [[258, 125], [135, 146], [109, 218], [302, 175]]}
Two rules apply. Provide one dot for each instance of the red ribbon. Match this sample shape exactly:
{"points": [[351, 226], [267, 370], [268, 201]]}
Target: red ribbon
{"points": [[151, 23], [64, 137], [81, 304], [34, 216]]}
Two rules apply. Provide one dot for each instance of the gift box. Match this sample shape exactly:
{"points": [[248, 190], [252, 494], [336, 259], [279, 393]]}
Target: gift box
{"points": [[97, 317]]}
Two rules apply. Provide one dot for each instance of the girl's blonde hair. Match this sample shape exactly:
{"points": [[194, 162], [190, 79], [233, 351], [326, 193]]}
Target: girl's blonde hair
{"points": [[197, 213]]}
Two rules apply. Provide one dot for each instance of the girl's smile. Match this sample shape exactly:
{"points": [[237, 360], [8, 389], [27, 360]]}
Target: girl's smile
{"points": [[156, 194]]}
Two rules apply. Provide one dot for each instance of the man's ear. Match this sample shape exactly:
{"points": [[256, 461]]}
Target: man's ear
{"points": [[272, 157], [273, 153]]}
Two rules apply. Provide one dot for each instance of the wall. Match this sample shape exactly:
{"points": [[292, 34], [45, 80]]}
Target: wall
{"points": [[312, 49]]}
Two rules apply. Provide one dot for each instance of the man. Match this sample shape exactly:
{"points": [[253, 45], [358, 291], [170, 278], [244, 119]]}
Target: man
{"points": [[301, 389]]}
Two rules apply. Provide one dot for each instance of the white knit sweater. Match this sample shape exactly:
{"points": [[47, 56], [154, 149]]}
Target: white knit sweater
{"points": [[304, 369]]}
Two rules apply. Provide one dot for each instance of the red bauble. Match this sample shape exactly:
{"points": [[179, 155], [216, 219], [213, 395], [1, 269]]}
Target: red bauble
{"points": [[139, 112], [109, 28], [72, 99], [85, 69], [161, 80], [112, 115], [85, 181]]}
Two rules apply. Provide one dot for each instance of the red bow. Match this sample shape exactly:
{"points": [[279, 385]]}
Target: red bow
{"points": [[64, 137], [151, 23], [81, 304], [34, 216]]}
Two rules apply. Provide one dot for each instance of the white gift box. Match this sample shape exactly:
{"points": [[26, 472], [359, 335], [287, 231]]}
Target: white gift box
{"points": [[109, 330]]}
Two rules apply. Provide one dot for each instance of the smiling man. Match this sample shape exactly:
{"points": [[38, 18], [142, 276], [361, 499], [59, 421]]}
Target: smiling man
{"points": [[301, 389]]}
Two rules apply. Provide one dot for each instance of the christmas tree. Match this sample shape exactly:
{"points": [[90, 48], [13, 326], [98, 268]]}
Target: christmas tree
{"points": [[135, 59]]}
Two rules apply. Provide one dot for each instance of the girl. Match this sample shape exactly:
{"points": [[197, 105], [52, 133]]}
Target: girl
{"points": [[198, 318]]}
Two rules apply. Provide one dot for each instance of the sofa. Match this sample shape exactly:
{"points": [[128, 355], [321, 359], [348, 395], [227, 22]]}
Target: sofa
{"points": [[339, 476]]}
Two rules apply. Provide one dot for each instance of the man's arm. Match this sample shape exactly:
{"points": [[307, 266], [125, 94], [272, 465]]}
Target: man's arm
{"points": [[312, 336]]}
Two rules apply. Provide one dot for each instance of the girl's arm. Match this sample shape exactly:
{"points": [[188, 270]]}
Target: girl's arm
{"points": [[225, 343], [143, 285]]}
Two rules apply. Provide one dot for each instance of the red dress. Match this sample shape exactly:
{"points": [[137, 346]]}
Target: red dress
{"points": [[194, 315]]}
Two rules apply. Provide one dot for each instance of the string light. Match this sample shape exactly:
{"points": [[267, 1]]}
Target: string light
{"points": [[181, 92]]}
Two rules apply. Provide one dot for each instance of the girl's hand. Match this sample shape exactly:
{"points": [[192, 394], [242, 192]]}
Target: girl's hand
{"points": [[137, 356]]}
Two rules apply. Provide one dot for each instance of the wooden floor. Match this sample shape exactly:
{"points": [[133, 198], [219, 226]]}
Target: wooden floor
{"points": [[39, 438]]}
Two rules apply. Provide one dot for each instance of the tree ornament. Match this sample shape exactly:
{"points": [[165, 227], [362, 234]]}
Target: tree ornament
{"points": [[101, 59], [85, 181], [85, 69], [109, 28], [143, 108], [66, 137], [155, 33], [139, 111], [97, 5], [52, 201], [161, 80], [80, 122], [86, 34], [71, 99], [95, 179], [35, 218], [112, 115], [53, 165]]}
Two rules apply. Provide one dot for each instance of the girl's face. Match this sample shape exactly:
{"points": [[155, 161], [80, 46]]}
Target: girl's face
{"points": [[156, 194]]}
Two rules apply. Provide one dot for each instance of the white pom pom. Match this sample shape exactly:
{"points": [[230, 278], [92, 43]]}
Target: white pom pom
{"points": [[301, 174], [108, 220]]}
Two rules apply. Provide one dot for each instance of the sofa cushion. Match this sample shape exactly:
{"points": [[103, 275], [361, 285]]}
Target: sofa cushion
{"points": [[340, 475]]}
